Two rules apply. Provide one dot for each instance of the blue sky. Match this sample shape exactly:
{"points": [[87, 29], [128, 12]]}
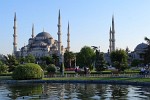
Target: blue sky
{"points": [[90, 21]]}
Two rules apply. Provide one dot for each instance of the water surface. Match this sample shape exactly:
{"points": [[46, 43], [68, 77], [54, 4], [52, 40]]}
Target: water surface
{"points": [[58, 91]]}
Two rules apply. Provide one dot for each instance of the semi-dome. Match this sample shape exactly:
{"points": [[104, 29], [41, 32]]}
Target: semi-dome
{"points": [[141, 47], [44, 34]]}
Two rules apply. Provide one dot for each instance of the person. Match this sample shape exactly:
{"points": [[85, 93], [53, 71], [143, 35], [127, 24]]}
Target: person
{"points": [[85, 70], [76, 69], [142, 71]]}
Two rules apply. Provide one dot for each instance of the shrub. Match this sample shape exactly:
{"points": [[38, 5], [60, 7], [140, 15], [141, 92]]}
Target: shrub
{"points": [[51, 68], [3, 68], [27, 71]]}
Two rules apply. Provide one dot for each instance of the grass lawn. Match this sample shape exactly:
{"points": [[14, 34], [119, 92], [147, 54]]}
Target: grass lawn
{"points": [[98, 78], [5, 78], [140, 79]]}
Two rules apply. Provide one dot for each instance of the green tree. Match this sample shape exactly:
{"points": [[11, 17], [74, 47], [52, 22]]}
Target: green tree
{"points": [[147, 52], [55, 59], [3, 67], [11, 62], [68, 58], [51, 68], [30, 59], [100, 63], [85, 57], [47, 60], [135, 62], [119, 59]]}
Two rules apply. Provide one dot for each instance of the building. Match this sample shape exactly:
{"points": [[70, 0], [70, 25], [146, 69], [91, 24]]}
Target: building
{"points": [[138, 52], [111, 42], [112, 36], [43, 44]]}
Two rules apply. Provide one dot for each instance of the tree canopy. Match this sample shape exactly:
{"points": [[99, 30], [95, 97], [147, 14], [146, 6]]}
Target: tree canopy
{"points": [[85, 57], [69, 57], [119, 59], [11, 62], [147, 52], [100, 63]]}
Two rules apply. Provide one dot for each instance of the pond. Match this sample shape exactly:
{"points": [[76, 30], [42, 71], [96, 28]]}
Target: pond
{"points": [[62, 91]]}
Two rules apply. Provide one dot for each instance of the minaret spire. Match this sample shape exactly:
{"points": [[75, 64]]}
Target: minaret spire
{"points": [[110, 40], [32, 31], [113, 34], [59, 34], [15, 35], [68, 38]]}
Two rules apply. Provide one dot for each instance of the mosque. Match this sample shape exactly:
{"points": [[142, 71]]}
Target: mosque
{"points": [[138, 52], [43, 44]]}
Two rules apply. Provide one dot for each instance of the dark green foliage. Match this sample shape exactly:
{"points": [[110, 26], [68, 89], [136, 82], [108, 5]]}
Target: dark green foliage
{"points": [[11, 62], [21, 60], [27, 71], [43, 66], [3, 68], [30, 59], [147, 52], [85, 57], [55, 59], [51, 68], [69, 57], [47, 60], [119, 59], [100, 63], [135, 62]]}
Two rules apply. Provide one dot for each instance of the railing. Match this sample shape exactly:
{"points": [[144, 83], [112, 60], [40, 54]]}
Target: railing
{"points": [[99, 75]]}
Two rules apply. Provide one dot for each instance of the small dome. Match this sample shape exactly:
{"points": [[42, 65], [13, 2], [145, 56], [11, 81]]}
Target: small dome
{"points": [[44, 34], [141, 47]]}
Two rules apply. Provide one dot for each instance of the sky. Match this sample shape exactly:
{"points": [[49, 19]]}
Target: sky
{"points": [[90, 21]]}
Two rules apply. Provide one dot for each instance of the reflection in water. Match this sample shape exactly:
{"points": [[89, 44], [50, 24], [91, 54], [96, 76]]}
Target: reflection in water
{"points": [[73, 92]]}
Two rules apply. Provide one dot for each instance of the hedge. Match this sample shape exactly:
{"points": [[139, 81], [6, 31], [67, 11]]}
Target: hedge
{"points": [[27, 71]]}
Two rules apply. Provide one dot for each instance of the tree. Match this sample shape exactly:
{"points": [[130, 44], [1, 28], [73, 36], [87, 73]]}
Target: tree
{"points": [[85, 57], [47, 60], [55, 59], [100, 61], [135, 62], [68, 58], [11, 62], [30, 59], [3, 67], [147, 52], [21, 60], [119, 59]]}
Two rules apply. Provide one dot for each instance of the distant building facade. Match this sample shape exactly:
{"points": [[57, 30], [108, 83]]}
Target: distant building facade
{"points": [[43, 44], [138, 52]]}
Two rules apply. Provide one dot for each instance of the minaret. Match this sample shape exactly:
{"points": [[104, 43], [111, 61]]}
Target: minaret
{"points": [[15, 35], [32, 31], [113, 34], [110, 40], [59, 34], [68, 39]]}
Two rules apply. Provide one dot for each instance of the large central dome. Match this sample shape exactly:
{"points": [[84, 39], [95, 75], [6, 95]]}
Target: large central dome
{"points": [[44, 34], [141, 47]]}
